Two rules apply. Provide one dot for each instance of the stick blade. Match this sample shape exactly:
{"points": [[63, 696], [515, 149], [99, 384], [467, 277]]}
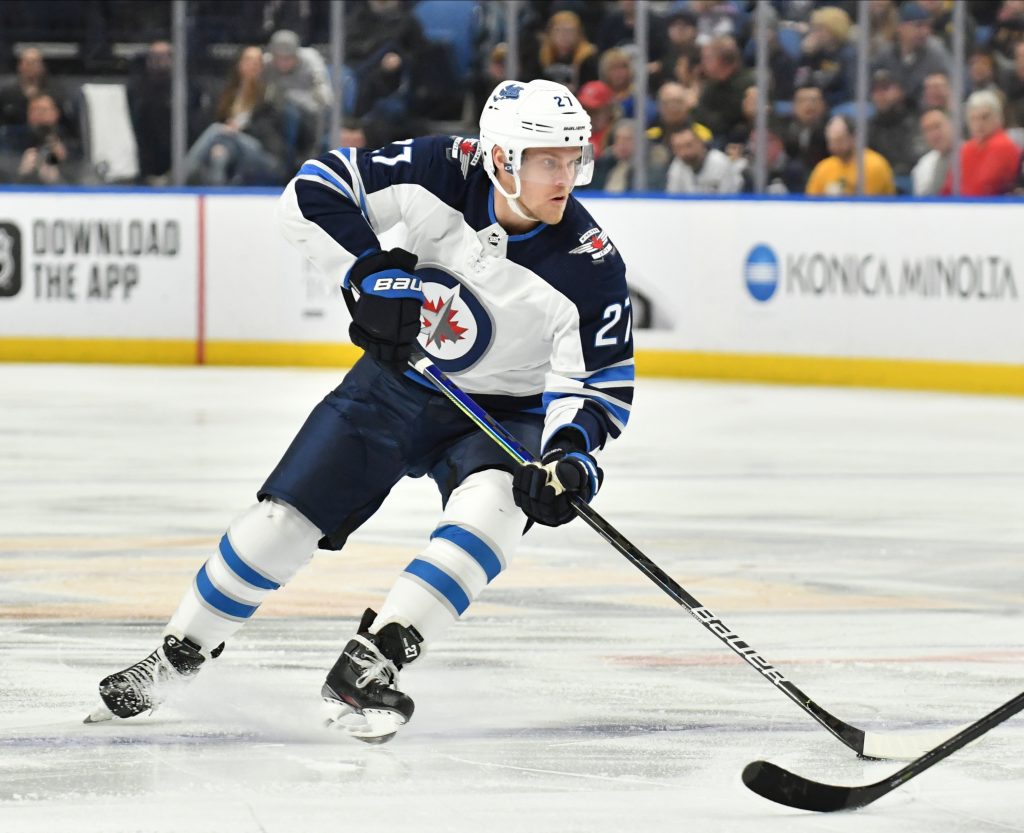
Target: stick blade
{"points": [[784, 787]]}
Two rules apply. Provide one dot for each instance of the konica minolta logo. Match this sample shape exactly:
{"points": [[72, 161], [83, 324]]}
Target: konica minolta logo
{"points": [[761, 272], [820, 274]]}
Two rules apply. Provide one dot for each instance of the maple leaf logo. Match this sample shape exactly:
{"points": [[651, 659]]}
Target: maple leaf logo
{"points": [[439, 322]]}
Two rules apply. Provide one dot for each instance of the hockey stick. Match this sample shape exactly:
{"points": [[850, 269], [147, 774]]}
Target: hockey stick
{"points": [[902, 746], [784, 787]]}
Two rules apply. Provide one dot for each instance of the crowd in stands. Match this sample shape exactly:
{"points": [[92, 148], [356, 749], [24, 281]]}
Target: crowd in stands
{"points": [[260, 92]]}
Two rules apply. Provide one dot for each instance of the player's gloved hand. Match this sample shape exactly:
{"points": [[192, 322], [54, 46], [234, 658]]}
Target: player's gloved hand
{"points": [[386, 321], [543, 490]]}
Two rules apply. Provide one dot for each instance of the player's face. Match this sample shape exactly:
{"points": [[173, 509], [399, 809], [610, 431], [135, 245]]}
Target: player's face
{"points": [[548, 176]]}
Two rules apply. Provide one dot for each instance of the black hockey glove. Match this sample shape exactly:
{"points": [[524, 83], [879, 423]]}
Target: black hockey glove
{"points": [[543, 490], [386, 320]]}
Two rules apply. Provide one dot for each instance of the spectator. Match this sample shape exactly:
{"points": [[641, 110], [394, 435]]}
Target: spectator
{"points": [[1009, 28], [804, 135], [828, 59], [940, 19], [598, 100], [837, 174], [929, 174], [615, 68], [989, 160], [884, 20], [613, 172], [618, 29], [565, 52], [31, 80], [893, 130], [48, 157], [674, 106], [681, 39], [781, 65], [982, 70], [1015, 87], [495, 71], [721, 103], [936, 92], [916, 53], [783, 175], [687, 71], [296, 77], [715, 19], [698, 169], [246, 144]]}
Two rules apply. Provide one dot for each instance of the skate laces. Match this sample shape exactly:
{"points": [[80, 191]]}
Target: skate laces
{"points": [[375, 667]]}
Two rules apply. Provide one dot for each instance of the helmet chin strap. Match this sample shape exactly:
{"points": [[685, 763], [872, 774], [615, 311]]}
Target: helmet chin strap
{"points": [[519, 210]]}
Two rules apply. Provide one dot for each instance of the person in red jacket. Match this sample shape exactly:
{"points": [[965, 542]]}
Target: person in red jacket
{"points": [[989, 160]]}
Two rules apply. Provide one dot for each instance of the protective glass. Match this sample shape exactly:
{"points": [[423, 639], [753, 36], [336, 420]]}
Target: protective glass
{"points": [[552, 166]]}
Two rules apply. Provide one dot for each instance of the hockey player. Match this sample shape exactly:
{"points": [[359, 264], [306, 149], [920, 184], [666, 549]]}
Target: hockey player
{"points": [[511, 288]]}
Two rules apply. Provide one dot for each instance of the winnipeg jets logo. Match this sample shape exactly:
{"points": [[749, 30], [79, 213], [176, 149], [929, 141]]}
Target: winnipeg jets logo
{"points": [[439, 321], [511, 91], [595, 243], [466, 152]]}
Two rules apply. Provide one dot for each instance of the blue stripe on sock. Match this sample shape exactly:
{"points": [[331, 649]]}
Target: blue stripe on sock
{"points": [[440, 581], [243, 570], [473, 545], [218, 601]]}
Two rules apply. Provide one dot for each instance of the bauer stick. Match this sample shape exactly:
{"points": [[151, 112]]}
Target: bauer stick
{"points": [[784, 787], [892, 746]]}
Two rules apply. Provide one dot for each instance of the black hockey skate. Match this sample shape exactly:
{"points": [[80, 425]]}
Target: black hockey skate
{"points": [[145, 685], [361, 690]]}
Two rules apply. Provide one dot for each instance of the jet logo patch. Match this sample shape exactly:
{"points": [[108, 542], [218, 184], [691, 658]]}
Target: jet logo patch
{"points": [[595, 243]]}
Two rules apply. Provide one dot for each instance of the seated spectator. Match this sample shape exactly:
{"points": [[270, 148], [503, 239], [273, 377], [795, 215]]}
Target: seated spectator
{"points": [[618, 29], [929, 174], [803, 136], [893, 129], [613, 172], [31, 80], [1015, 88], [297, 78], [615, 68], [681, 39], [781, 65], [566, 53], [836, 175], [940, 19], [674, 106], [884, 19], [782, 176], [721, 102], [989, 160], [1009, 28], [828, 59], [715, 19], [47, 155], [916, 54], [982, 72], [697, 168], [246, 144], [598, 100], [936, 92], [687, 71]]}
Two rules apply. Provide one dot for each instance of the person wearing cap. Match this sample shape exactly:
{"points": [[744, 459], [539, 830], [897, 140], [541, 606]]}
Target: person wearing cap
{"points": [[299, 77], [828, 58], [598, 100], [893, 129], [916, 53], [836, 175]]}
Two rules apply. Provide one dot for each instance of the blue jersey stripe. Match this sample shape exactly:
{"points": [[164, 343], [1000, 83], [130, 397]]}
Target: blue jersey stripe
{"points": [[218, 601], [313, 170], [440, 581], [246, 573], [622, 373], [621, 414], [472, 545]]}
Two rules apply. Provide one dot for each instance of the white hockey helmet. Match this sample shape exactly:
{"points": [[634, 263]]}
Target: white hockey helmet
{"points": [[538, 114]]}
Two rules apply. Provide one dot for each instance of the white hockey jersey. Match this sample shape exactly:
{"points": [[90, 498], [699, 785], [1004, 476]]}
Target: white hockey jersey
{"points": [[537, 322]]}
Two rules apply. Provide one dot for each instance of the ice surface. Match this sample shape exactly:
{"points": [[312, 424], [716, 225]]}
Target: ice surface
{"points": [[868, 543]]}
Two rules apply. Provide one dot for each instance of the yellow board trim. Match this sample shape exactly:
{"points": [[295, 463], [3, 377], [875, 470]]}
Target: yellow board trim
{"points": [[912, 374]]}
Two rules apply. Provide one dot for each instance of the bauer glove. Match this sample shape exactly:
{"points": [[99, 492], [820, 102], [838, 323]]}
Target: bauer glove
{"points": [[386, 319], [543, 490]]}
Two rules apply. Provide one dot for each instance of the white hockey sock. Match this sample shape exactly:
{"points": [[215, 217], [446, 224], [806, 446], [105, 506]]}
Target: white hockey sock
{"points": [[477, 535], [263, 549]]}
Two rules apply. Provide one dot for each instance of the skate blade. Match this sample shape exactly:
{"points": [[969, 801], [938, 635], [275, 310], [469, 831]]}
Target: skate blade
{"points": [[101, 715], [370, 726]]}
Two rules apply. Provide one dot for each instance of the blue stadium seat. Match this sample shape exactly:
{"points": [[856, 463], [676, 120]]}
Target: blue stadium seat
{"points": [[453, 22], [789, 39]]}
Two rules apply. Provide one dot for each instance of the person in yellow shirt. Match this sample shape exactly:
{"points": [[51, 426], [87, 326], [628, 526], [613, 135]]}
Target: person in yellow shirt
{"points": [[836, 175]]}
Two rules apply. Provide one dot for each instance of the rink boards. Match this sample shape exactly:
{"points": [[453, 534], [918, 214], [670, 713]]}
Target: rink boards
{"points": [[884, 293]]}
